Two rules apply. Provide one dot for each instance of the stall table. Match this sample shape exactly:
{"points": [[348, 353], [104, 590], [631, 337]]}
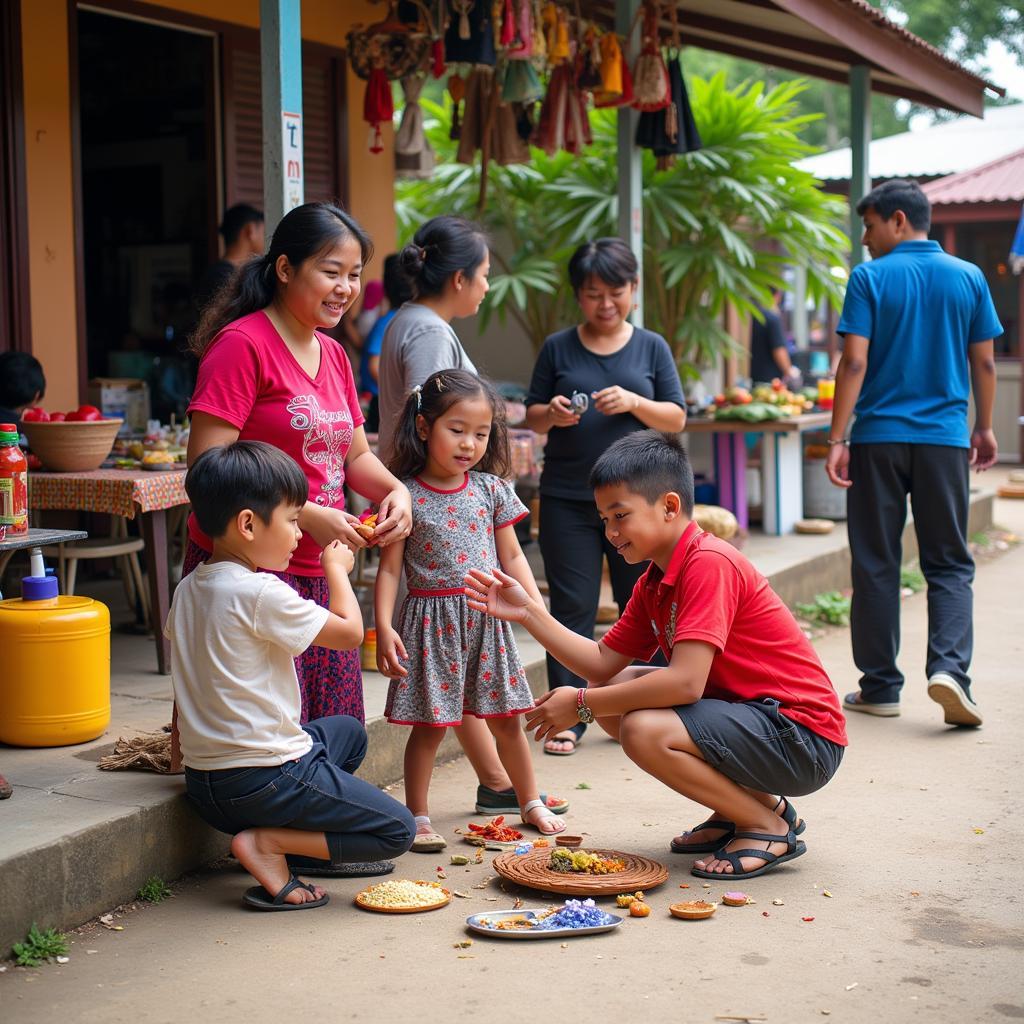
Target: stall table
{"points": [[35, 539], [782, 481], [124, 492]]}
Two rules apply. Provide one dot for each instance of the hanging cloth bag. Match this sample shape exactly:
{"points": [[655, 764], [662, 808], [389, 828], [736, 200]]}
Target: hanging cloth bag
{"points": [[413, 156], [521, 83], [651, 87]]}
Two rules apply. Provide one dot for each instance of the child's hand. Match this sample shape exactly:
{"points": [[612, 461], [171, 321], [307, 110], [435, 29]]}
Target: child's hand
{"points": [[394, 518], [390, 654], [553, 712], [499, 595], [337, 555]]}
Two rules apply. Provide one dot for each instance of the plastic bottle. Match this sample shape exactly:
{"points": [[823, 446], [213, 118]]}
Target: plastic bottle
{"points": [[13, 484]]}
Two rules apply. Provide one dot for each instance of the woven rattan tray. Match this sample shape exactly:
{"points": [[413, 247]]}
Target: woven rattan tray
{"points": [[531, 869]]}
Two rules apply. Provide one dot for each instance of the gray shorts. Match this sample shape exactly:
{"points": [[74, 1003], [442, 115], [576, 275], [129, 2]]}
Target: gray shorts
{"points": [[755, 745]]}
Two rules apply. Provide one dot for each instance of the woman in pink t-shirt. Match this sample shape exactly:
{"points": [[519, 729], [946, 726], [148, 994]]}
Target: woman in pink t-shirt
{"points": [[267, 374]]}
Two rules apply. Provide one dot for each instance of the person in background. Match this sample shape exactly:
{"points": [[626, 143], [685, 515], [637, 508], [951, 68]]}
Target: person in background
{"points": [[397, 291], [769, 354], [244, 236], [919, 328], [629, 380], [22, 384]]}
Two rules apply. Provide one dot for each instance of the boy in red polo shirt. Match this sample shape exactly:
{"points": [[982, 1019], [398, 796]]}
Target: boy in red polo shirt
{"points": [[744, 715]]}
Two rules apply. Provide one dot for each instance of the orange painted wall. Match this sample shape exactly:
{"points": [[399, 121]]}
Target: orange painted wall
{"points": [[49, 170]]}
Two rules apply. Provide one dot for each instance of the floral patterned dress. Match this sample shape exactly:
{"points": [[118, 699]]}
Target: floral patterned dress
{"points": [[461, 662]]}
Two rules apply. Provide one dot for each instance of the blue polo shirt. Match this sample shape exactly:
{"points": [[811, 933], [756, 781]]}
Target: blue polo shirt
{"points": [[920, 308]]}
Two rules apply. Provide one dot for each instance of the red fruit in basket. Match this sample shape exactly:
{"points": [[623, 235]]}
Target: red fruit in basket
{"points": [[56, 417], [85, 414], [33, 414]]}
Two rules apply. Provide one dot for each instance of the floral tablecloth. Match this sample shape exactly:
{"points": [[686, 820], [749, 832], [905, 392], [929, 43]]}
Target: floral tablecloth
{"points": [[119, 492]]}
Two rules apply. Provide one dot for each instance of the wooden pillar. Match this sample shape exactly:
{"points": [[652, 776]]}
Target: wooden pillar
{"points": [[281, 82], [949, 238], [629, 158], [860, 148]]}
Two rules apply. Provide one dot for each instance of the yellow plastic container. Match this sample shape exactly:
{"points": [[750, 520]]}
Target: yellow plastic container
{"points": [[54, 671]]}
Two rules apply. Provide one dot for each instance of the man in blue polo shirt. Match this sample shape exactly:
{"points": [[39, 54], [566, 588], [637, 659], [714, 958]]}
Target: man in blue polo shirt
{"points": [[919, 326]]}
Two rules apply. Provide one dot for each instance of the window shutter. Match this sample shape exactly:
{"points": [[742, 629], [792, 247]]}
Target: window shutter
{"points": [[322, 113]]}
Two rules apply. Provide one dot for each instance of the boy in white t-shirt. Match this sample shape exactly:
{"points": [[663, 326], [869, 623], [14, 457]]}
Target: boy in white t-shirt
{"points": [[251, 769]]}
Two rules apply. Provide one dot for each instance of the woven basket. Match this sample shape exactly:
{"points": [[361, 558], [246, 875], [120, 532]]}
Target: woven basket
{"points": [[72, 447], [531, 869]]}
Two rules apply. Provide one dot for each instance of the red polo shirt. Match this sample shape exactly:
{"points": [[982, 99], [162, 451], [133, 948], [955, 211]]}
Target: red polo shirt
{"points": [[710, 592]]}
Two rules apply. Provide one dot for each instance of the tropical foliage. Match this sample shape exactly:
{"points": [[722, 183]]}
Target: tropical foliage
{"points": [[720, 225]]}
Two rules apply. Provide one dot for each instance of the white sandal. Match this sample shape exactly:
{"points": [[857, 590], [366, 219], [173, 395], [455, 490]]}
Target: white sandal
{"points": [[533, 805]]}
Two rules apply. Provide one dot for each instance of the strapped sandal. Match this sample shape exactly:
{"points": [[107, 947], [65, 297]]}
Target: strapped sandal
{"points": [[547, 815], [259, 898], [709, 847], [789, 815], [796, 848]]}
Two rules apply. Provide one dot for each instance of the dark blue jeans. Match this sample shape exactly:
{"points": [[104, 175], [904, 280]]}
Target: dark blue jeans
{"points": [[318, 792], [936, 478]]}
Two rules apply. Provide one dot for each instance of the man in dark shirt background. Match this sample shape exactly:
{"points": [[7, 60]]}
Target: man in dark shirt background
{"points": [[769, 354], [244, 236]]}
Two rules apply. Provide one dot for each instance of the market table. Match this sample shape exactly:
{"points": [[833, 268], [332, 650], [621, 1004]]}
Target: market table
{"points": [[34, 539], [124, 492], [782, 480]]}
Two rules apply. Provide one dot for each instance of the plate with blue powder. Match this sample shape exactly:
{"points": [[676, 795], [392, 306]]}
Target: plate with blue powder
{"points": [[574, 917]]}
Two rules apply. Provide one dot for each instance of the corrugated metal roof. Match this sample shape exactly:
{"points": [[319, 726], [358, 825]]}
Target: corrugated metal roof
{"points": [[1000, 181], [946, 148]]}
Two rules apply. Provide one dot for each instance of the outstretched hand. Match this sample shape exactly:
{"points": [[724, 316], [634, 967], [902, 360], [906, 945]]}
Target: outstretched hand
{"points": [[552, 713], [497, 594]]}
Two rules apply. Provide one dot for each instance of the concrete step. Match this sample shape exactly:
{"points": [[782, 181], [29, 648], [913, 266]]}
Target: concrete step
{"points": [[75, 842]]}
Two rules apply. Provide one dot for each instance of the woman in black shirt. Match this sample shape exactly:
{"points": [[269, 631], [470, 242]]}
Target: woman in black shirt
{"points": [[629, 380]]}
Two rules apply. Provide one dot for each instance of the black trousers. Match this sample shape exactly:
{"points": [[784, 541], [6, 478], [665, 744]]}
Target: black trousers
{"points": [[936, 478], [573, 546]]}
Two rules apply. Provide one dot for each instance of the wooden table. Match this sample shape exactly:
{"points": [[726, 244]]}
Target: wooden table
{"points": [[35, 539], [782, 480], [125, 492]]}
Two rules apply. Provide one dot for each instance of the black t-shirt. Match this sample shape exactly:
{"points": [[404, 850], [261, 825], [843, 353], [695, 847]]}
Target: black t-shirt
{"points": [[764, 339], [644, 365]]}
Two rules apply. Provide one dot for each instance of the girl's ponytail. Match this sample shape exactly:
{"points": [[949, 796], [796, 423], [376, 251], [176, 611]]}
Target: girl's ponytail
{"points": [[409, 449]]}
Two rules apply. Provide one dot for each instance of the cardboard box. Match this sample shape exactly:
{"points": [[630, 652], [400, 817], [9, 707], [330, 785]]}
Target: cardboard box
{"points": [[123, 397]]}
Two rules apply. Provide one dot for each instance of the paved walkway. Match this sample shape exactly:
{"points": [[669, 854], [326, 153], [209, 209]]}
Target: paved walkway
{"points": [[918, 840]]}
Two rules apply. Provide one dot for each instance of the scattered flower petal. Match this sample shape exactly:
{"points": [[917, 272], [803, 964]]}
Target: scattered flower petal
{"points": [[852, 985], [806, 918], [778, 903], [825, 892]]}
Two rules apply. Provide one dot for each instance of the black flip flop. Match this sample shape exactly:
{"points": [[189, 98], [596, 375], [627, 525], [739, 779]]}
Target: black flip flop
{"points": [[795, 848], [259, 898]]}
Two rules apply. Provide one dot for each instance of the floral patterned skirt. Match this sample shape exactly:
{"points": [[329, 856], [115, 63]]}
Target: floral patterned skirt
{"points": [[330, 682], [460, 663]]}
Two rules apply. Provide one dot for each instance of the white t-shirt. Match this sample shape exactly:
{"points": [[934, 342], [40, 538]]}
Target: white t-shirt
{"points": [[233, 636]]}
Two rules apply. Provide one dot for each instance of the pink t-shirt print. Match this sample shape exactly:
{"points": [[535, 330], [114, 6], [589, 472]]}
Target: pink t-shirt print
{"points": [[250, 378]]}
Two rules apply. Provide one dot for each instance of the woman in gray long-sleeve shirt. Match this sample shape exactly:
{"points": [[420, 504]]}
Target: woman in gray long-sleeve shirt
{"points": [[447, 264]]}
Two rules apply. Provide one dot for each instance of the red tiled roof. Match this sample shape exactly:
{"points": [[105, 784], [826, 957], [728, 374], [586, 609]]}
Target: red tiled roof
{"points": [[1000, 181]]}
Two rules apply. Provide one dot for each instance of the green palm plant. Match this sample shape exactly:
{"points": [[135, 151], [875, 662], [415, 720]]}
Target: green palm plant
{"points": [[720, 225]]}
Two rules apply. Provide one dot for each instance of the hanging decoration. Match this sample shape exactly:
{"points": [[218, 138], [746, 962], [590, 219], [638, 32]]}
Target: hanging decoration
{"points": [[470, 35], [672, 131], [414, 157], [650, 76], [457, 91], [378, 107]]}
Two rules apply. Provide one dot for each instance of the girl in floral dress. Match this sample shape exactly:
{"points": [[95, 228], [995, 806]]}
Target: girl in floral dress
{"points": [[451, 450]]}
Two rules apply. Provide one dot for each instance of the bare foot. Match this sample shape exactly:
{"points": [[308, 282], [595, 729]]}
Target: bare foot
{"points": [[723, 867], [268, 865]]}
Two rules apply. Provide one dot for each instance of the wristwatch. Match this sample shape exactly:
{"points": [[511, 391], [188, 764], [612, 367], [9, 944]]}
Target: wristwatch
{"points": [[585, 715]]}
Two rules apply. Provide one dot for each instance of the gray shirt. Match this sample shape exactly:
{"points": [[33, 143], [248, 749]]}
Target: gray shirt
{"points": [[416, 344]]}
